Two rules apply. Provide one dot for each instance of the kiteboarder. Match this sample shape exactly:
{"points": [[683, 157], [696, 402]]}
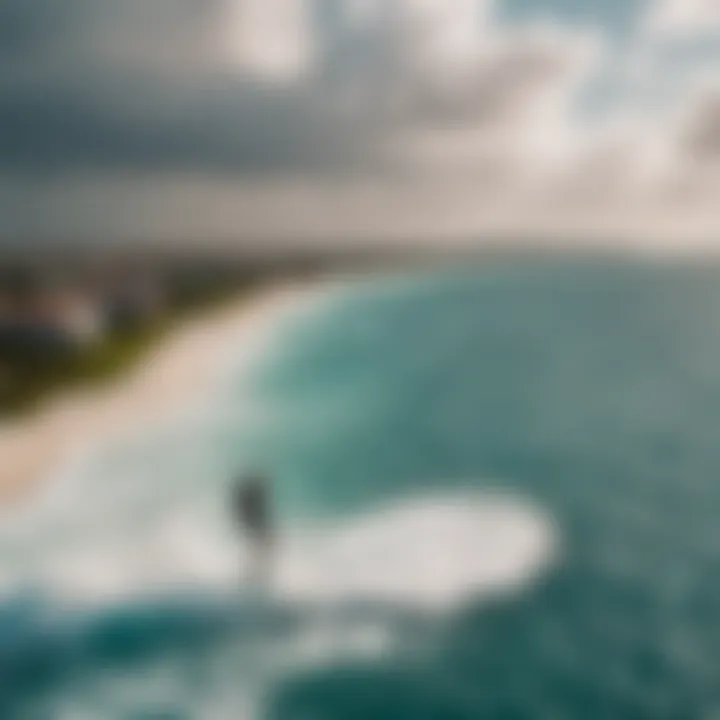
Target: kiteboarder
{"points": [[253, 512]]}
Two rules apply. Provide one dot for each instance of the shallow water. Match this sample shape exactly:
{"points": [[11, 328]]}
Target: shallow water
{"points": [[499, 497]]}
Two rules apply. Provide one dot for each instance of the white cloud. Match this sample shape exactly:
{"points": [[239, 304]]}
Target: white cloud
{"points": [[272, 38], [445, 33], [445, 210], [668, 18], [512, 109]]}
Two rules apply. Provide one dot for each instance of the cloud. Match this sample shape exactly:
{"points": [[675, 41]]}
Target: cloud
{"points": [[673, 18], [46, 43], [155, 84], [701, 139], [329, 118], [133, 125], [249, 86], [271, 38]]}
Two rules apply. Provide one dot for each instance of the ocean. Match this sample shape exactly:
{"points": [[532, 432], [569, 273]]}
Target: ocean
{"points": [[498, 496]]}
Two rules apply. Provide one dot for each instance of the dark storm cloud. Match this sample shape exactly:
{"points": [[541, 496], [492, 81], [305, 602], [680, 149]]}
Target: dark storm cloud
{"points": [[25, 27], [152, 85], [124, 84], [29, 27], [236, 128]]}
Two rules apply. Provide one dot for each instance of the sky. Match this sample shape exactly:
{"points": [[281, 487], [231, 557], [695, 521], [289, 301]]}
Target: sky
{"points": [[355, 121]]}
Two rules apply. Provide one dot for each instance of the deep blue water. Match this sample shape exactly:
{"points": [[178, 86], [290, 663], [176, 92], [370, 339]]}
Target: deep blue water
{"points": [[590, 390]]}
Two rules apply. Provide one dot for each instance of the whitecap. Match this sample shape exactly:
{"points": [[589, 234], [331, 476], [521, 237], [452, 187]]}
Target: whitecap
{"points": [[431, 553], [428, 553]]}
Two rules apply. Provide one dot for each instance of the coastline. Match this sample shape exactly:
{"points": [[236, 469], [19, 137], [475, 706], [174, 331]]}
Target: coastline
{"points": [[181, 370]]}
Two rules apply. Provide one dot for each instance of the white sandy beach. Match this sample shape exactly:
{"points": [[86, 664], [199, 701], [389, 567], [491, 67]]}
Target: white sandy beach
{"points": [[176, 373]]}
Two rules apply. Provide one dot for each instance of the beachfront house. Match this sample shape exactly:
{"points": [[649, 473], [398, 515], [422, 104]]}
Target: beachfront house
{"points": [[48, 322], [134, 304]]}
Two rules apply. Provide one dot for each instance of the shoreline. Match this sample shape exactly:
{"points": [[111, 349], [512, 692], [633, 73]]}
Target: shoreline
{"points": [[182, 369]]}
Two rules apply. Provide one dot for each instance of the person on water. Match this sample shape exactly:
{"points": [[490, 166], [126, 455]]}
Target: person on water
{"points": [[253, 512]]}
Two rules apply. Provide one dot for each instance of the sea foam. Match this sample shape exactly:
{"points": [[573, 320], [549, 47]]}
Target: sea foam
{"points": [[432, 553], [429, 553]]}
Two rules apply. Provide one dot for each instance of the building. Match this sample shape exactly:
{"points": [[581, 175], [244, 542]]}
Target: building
{"points": [[133, 304], [50, 321]]}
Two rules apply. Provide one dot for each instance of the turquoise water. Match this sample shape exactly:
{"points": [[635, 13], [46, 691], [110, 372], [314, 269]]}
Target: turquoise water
{"points": [[563, 417]]}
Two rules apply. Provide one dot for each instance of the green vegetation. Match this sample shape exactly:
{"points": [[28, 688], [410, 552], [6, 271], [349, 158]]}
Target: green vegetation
{"points": [[28, 378]]}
